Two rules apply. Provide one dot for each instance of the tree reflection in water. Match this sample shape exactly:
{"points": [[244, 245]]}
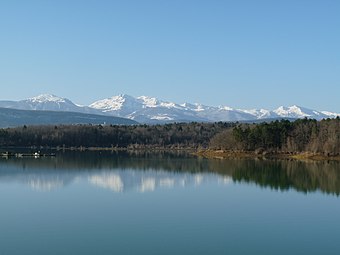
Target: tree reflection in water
{"points": [[146, 171]]}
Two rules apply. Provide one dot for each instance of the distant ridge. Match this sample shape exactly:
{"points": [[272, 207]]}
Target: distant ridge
{"points": [[14, 118], [48, 102], [146, 109]]}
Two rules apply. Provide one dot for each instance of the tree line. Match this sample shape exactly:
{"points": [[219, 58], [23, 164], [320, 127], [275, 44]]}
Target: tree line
{"points": [[303, 135], [175, 135]]}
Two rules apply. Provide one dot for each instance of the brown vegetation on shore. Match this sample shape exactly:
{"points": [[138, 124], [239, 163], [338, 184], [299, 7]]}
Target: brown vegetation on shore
{"points": [[225, 154]]}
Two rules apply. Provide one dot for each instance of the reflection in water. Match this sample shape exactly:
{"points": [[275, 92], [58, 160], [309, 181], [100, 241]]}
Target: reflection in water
{"points": [[198, 179], [284, 175], [148, 181], [121, 172], [148, 184], [45, 185], [108, 181]]}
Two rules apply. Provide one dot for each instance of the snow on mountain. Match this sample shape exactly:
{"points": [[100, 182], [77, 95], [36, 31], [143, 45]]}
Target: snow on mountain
{"points": [[299, 112], [146, 109], [262, 113], [149, 109], [330, 114], [47, 102], [149, 101], [47, 98], [117, 105], [222, 113]]}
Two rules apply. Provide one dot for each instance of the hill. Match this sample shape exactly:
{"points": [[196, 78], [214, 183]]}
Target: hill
{"points": [[15, 118]]}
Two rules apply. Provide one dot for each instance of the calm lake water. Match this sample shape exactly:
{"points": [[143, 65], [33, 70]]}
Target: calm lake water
{"points": [[123, 203]]}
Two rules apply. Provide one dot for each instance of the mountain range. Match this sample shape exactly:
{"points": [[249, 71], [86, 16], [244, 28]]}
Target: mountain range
{"points": [[145, 109]]}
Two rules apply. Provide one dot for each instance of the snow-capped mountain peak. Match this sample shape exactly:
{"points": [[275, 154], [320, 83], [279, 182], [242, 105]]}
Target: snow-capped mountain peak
{"points": [[47, 102], [296, 111], [261, 113], [226, 108], [47, 98], [154, 102], [147, 109], [148, 101], [121, 105]]}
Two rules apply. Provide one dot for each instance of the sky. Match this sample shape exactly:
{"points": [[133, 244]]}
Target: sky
{"points": [[243, 54]]}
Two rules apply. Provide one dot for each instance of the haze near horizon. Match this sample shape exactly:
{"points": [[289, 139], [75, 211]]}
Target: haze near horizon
{"points": [[243, 54]]}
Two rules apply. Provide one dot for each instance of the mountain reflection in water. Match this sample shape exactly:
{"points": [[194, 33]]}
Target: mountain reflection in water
{"points": [[146, 172]]}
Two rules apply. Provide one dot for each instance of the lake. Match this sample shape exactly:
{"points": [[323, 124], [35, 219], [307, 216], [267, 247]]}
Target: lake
{"points": [[167, 203]]}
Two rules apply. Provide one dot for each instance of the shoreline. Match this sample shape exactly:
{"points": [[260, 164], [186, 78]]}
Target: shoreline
{"points": [[205, 153], [80, 149], [225, 154]]}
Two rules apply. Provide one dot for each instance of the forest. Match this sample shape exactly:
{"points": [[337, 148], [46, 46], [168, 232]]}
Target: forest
{"points": [[176, 135], [303, 135], [280, 136]]}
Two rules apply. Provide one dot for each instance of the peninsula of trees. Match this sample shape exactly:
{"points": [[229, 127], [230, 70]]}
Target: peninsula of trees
{"points": [[303, 135]]}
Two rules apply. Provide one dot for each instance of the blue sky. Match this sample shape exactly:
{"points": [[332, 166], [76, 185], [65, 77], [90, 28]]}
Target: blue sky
{"points": [[245, 54]]}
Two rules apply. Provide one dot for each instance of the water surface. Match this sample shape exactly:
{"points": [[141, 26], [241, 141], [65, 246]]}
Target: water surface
{"points": [[144, 203]]}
